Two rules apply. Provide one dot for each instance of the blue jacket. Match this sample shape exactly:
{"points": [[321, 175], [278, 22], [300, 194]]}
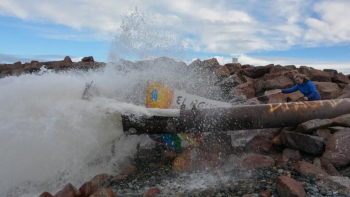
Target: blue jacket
{"points": [[307, 88]]}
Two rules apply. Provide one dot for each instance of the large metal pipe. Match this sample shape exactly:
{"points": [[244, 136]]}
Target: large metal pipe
{"points": [[238, 117]]}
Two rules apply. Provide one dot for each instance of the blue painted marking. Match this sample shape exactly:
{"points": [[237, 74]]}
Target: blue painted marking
{"points": [[154, 95]]}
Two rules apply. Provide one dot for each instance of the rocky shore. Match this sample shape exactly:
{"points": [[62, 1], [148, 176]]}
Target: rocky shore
{"points": [[312, 159]]}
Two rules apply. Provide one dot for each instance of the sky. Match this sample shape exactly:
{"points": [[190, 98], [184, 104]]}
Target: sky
{"points": [[314, 33]]}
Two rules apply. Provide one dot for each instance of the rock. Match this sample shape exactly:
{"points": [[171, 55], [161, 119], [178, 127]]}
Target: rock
{"points": [[338, 149], [309, 126], [335, 129], [67, 59], [68, 191], [315, 75], [231, 81], [331, 71], [99, 181], [347, 95], [128, 170], [343, 121], [255, 161], [330, 169], [289, 187], [277, 98], [256, 72], [291, 154], [5, 67], [246, 89], [222, 71], [281, 162], [86, 189], [346, 89], [266, 193], [17, 65], [328, 90], [46, 194], [324, 133], [258, 144], [108, 192], [345, 172], [233, 67], [307, 143], [294, 96], [210, 64], [335, 184], [277, 140], [196, 159], [250, 195], [317, 162], [152, 192], [88, 59], [280, 82], [217, 143], [310, 171], [341, 78]]}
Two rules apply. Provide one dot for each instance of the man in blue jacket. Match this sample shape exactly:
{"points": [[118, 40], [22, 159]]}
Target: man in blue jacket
{"points": [[306, 87]]}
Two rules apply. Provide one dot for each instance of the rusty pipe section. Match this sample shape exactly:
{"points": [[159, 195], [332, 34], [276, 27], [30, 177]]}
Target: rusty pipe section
{"points": [[238, 117]]}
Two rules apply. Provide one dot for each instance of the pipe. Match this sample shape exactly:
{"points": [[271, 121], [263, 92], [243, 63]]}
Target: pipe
{"points": [[238, 117]]}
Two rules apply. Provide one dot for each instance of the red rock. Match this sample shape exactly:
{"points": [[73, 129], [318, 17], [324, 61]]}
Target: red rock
{"points": [[233, 67], [335, 184], [259, 144], [309, 170], [247, 88], [259, 71], [87, 59], [328, 90], [98, 180], [277, 98], [292, 154], [341, 78], [129, 170], [255, 161], [315, 75], [277, 140], [266, 193], [324, 133], [86, 189], [281, 162], [343, 120], [104, 193], [222, 71], [307, 143], [194, 159], [68, 191], [311, 125], [152, 192], [17, 65], [289, 187], [338, 149], [46, 194]]}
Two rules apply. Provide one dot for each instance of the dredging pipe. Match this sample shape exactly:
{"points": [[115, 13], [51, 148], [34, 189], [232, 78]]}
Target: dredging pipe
{"points": [[237, 117]]}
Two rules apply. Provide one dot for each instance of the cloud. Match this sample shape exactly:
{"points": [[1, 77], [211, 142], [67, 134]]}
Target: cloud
{"points": [[333, 25], [226, 27]]}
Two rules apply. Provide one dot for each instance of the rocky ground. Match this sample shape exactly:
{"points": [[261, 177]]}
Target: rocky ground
{"points": [[312, 159]]}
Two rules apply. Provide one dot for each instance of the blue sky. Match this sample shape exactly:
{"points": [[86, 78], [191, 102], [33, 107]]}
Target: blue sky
{"points": [[300, 32]]}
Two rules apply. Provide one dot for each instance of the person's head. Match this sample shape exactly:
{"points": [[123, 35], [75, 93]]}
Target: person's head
{"points": [[299, 78]]}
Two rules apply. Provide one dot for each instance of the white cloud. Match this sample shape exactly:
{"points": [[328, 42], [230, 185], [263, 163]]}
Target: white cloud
{"points": [[333, 25], [229, 27]]}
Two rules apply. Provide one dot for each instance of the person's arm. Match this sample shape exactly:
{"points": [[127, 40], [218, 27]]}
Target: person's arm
{"points": [[290, 90], [312, 89]]}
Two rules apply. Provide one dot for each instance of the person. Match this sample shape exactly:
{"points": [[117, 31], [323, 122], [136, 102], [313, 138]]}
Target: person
{"points": [[306, 87]]}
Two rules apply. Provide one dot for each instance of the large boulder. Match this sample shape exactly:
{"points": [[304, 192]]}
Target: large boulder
{"points": [[233, 67], [256, 161], [307, 143], [328, 90], [246, 89], [258, 71], [68, 191], [310, 171], [335, 184], [280, 82], [311, 125], [341, 78], [343, 121], [88, 59], [315, 75], [289, 187], [17, 65], [338, 149]]}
